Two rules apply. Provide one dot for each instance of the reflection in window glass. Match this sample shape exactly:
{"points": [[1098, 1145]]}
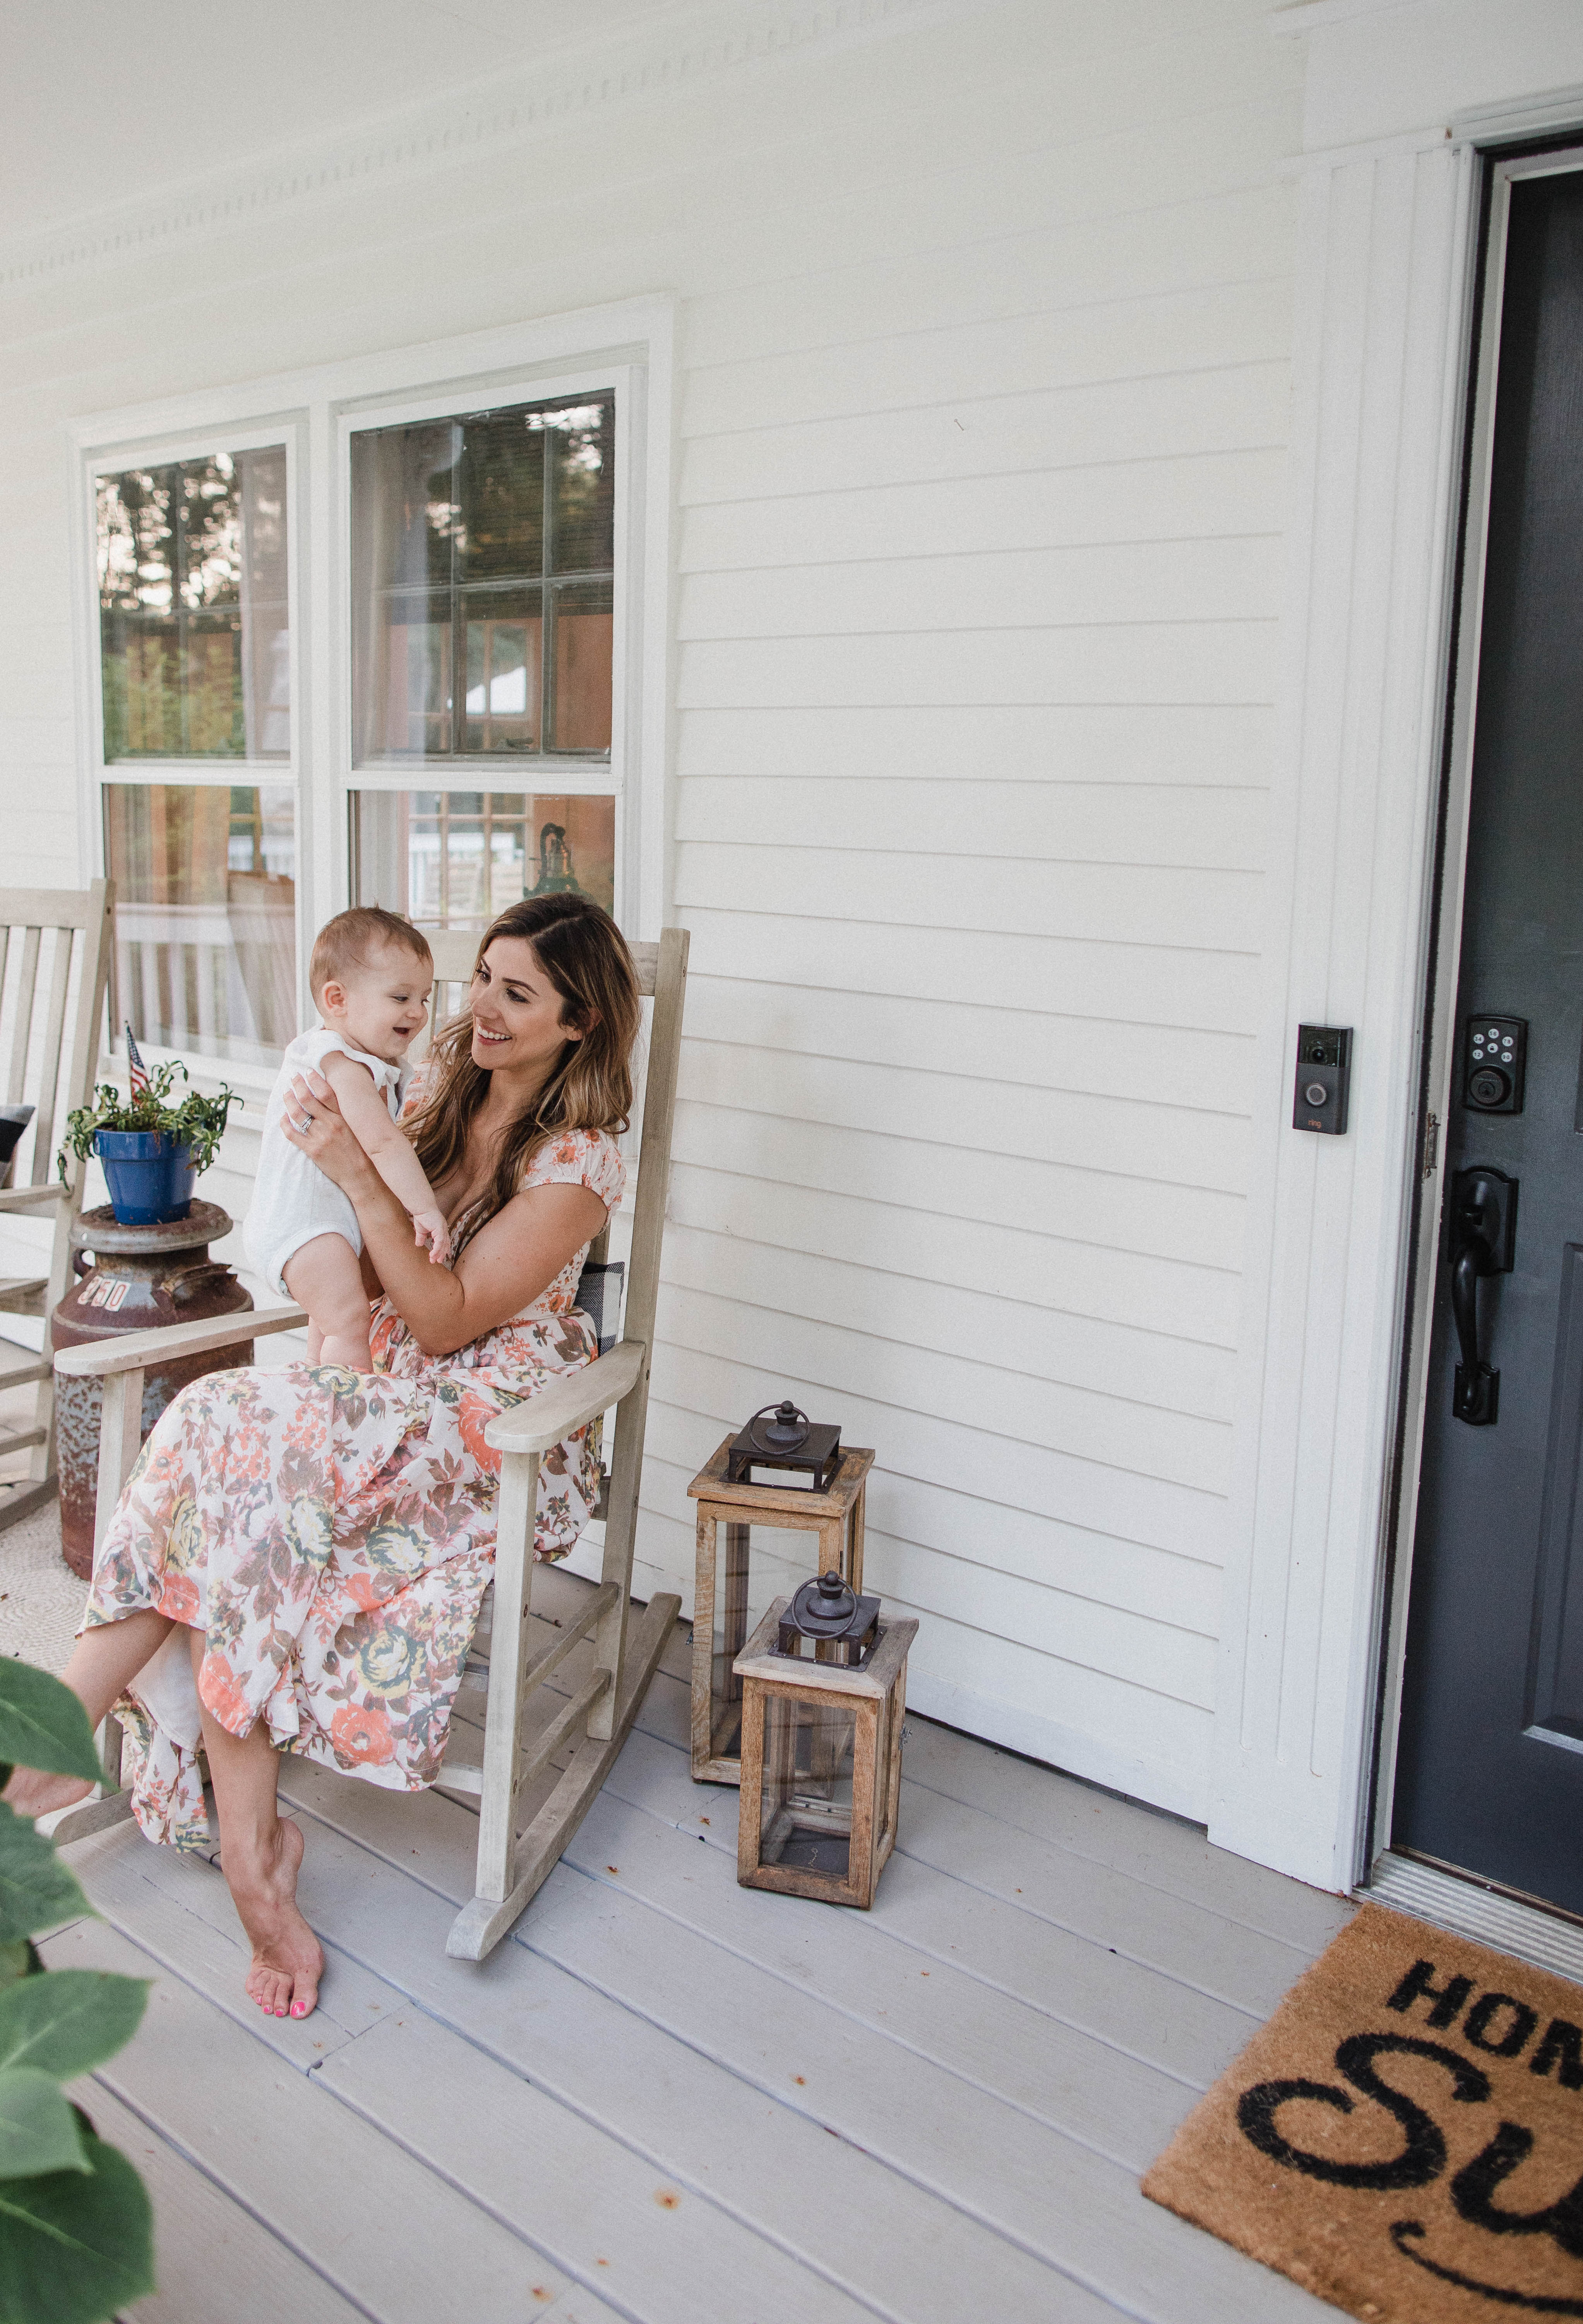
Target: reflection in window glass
{"points": [[194, 633], [484, 551], [205, 917], [454, 859]]}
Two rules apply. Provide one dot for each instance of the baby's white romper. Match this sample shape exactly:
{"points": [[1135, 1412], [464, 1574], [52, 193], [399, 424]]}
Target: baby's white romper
{"points": [[292, 1200]]}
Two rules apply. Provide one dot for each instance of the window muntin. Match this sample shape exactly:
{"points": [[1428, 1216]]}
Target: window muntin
{"points": [[482, 584], [455, 859], [205, 920], [195, 640]]}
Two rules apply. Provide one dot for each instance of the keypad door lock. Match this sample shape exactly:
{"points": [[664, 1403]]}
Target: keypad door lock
{"points": [[1324, 1074], [1494, 1053]]}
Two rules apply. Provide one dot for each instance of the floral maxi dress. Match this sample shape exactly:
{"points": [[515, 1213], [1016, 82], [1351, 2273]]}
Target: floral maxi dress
{"points": [[330, 1534]]}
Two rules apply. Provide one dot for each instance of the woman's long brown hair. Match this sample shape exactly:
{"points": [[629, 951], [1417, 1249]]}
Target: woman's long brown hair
{"points": [[585, 955]]}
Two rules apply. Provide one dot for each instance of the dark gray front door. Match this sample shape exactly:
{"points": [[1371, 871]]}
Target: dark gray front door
{"points": [[1490, 1769]]}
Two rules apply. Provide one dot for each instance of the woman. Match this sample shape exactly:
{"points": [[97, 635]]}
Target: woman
{"points": [[311, 1546]]}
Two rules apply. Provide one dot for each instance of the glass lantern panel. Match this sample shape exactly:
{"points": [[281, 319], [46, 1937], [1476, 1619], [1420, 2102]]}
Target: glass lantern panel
{"points": [[755, 1564], [806, 1820]]}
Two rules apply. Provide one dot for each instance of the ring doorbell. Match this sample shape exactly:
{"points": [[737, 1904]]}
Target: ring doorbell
{"points": [[1324, 1070]]}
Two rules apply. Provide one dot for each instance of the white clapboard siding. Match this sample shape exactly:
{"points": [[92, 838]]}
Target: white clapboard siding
{"points": [[1147, 822], [1122, 1136], [1146, 983], [1181, 1065], [1108, 903], [1173, 1372], [1205, 744], [1183, 412], [1075, 1279], [1205, 495], [1222, 323], [985, 339]]}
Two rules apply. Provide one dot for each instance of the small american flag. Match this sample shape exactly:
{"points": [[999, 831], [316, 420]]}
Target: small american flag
{"points": [[140, 1072]]}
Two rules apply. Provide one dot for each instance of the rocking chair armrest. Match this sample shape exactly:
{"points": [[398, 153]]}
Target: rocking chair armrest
{"points": [[569, 1403], [139, 1350], [32, 1198]]}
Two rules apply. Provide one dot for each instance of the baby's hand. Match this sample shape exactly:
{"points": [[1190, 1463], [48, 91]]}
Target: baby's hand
{"points": [[429, 1227]]}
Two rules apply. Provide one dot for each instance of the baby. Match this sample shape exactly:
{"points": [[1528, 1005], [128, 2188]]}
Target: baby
{"points": [[370, 975]]}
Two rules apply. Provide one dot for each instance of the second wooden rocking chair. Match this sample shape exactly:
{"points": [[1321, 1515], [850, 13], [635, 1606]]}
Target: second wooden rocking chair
{"points": [[511, 1779]]}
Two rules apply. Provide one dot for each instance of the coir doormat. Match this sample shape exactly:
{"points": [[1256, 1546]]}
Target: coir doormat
{"points": [[1405, 2137]]}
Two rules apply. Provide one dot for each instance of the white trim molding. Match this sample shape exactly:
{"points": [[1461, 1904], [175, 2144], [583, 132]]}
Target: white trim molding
{"points": [[512, 107], [1385, 270], [1385, 278]]}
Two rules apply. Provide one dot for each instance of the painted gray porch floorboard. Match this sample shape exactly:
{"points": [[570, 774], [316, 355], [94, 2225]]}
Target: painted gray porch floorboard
{"points": [[630, 2108]]}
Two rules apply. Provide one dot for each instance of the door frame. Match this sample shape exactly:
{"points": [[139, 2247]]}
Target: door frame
{"points": [[1389, 259], [1501, 172]]}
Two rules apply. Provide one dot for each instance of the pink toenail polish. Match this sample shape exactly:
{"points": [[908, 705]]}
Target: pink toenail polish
{"points": [[298, 2010]]}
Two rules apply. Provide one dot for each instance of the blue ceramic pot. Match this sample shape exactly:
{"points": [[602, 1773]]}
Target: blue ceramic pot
{"points": [[149, 1178]]}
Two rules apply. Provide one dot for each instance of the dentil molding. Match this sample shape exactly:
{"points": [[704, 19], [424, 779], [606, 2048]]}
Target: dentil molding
{"points": [[508, 108]]}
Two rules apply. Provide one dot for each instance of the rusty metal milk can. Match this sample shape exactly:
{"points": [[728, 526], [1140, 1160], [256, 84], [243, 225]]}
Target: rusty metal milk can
{"points": [[139, 1278]]}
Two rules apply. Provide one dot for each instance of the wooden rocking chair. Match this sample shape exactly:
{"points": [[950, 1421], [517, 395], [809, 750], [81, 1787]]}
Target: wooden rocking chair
{"points": [[594, 1721], [51, 1069]]}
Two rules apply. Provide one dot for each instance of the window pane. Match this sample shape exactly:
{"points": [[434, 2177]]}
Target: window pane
{"points": [[505, 669], [454, 859], [194, 629], [583, 638], [502, 496], [205, 915], [452, 554], [582, 466]]}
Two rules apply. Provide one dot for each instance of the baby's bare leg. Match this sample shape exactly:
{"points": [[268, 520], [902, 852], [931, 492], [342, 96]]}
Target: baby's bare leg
{"points": [[324, 1277]]}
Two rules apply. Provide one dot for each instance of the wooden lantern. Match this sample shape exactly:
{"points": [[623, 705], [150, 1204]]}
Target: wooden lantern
{"points": [[729, 1597], [821, 1760]]}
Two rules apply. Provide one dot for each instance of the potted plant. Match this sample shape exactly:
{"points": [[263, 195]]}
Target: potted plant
{"points": [[151, 1148]]}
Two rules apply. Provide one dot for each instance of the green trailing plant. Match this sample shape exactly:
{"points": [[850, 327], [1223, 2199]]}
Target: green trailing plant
{"points": [[199, 1122], [75, 2230]]}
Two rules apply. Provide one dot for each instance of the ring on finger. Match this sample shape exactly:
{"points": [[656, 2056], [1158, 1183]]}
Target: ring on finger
{"points": [[305, 1125]]}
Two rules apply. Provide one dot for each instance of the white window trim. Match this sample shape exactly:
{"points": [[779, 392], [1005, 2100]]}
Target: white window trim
{"points": [[629, 344]]}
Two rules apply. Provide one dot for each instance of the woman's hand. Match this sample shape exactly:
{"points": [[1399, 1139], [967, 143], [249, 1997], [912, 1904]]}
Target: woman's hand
{"points": [[313, 1123]]}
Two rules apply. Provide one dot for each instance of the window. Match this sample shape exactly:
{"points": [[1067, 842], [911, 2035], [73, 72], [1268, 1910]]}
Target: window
{"points": [[476, 710], [484, 591], [195, 660]]}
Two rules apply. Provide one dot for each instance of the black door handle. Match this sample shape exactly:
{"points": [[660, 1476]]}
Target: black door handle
{"points": [[1482, 1239]]}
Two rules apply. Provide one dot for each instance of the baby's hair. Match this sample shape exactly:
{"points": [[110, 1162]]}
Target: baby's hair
{"points": [[351, 938]]}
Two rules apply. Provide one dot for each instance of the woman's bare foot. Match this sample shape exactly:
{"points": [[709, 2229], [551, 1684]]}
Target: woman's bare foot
{"points": [[287, 1960], [32, 1793]]}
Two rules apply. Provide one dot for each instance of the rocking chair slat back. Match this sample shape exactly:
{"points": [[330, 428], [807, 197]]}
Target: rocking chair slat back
{"points": [[53, 1048]]}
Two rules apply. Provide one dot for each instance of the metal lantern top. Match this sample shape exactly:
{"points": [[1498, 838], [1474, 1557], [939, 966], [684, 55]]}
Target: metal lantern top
{"points": [[828, 1622], [782, 1437]]}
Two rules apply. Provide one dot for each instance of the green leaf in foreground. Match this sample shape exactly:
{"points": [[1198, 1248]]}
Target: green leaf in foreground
{"points": [[69, 2021], [75, 2248], [42, 1724], [38, 2126], [36, 1890]]}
